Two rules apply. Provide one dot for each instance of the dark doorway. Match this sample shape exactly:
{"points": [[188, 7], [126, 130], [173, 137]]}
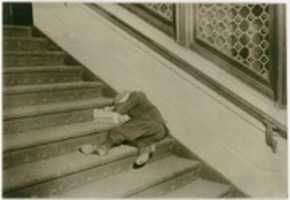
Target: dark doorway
{"points": [[17, 13]]}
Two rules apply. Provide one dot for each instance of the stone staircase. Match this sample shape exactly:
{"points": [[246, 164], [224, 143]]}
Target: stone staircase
{"points": [[48, 114]]}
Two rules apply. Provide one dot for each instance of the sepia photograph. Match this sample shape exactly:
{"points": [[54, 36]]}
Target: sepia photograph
{"points": [[144, 100]]}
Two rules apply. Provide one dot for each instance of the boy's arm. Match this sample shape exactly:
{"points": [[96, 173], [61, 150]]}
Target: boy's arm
{"points": [[123, 108]]}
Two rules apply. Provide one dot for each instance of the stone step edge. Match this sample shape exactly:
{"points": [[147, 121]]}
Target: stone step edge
{"points": [[185, 167], [35, 53], [36, 110], [221, 189], [196, 168], [18, 28], [50, 87], [23, 38], [10, 26], [19, 141], [24, 69], [87, 162]]}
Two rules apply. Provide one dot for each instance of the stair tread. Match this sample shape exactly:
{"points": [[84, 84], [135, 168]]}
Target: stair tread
{"points": [[9, 30], [42, 52], [36, 172], [41, 69], [47, 135], [133, 181], [35, 110], [199, 188], [50, 86], [40, 39], [7, 26], [44, 170]]}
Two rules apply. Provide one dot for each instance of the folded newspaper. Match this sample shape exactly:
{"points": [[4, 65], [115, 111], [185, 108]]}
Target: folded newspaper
{"points": [[107, 117]]}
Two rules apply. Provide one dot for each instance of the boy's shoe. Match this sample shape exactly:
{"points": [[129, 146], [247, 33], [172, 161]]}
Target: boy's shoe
{"points": [[88, 149], [144, 157]]}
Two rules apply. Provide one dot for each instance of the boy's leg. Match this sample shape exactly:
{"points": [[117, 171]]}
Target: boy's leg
{"points": [[146, 145], [114, 138]]}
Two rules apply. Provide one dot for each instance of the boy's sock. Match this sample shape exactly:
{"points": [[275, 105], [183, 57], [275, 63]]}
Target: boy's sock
{"points": [[105, 148]]}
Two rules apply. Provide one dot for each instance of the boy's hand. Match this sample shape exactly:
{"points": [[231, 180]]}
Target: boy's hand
{"points": [[125, 118], [120, 119], [109, 108]]}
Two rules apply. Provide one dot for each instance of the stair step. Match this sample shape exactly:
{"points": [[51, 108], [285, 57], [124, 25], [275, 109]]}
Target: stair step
{"points": [[45, 143], [34, 58], [27, 44], [41, 75], [200, 188], [179, 180], [129, 183], [15, 96], [12, 30], [29, 111], [59, 174], [44, 136], [21, 119]]}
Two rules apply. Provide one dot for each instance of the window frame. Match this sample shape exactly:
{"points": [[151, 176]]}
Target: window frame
{"points": [[153, 18], [276, 88]]}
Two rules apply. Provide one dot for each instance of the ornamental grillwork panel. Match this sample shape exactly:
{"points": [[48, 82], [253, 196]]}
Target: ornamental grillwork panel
{"points": [[240, 32], [165, 10]]}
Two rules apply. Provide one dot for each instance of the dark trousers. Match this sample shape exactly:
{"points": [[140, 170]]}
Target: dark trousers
{"points": [[138, 133]]}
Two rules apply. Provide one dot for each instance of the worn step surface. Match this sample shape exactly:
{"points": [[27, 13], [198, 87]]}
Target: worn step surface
{"points": [[33, 58], [45, 143], [15, 96], [41, 75], [133, 181], [62, 173], [27, 44], [21, 119], [18, 141], [18, 31], [50, 114], [200, 188]]}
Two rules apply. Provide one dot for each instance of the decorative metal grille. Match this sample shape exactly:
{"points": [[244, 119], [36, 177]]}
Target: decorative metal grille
{"points": [[165, 10], [238, 31]]}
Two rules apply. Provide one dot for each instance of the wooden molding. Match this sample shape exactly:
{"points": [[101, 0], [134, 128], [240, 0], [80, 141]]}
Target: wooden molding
{"points": [[152, 18], [280, 55]]}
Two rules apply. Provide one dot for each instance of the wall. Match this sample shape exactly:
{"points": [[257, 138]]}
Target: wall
{"points": [[221, 134]]}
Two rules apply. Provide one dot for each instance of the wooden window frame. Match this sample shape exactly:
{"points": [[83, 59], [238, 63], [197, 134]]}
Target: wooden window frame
{"points": [[153, 18], [276, 89]]}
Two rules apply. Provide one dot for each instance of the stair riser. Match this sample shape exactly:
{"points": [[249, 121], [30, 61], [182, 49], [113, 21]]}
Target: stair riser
{"points": [[27, 45], [52, 149], [27, 78], [52, 96], [56, 186], [17, 32], [44, 121], [168, 185], [33, 60]]}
